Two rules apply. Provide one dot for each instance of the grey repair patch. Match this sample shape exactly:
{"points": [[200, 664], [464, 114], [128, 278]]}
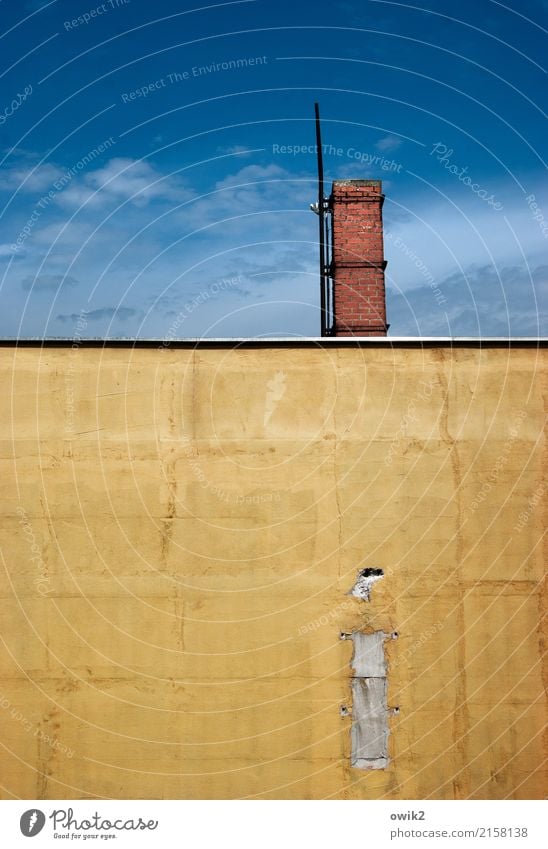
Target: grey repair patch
{"points": [[370, 712], [369, 723], [364, 582], [368, 659]]}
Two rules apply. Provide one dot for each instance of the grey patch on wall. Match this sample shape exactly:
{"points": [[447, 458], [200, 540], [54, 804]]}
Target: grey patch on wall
{"points": [[368, 659], [364, 582], [369, 734], [370, 725]]}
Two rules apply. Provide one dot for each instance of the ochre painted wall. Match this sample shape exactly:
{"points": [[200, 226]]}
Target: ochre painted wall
{"points": [[179, 532]]}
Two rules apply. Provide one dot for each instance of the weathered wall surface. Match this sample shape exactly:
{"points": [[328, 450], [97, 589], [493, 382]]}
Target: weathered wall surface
{"points": [[179, 532]]}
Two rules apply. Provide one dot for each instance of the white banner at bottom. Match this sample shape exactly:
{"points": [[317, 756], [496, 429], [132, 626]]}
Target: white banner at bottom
{"points": [[271, 824]]}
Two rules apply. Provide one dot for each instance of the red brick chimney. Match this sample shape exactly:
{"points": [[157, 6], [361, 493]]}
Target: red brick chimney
{"points": [[357, 265]]}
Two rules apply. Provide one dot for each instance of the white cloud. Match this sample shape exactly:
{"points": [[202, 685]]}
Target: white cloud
{"points": [[444, 237], [255, 224], [486, 301], [251, 174], [248, 197], [123, 179], [235, 149], [388, 143], [29, 179]]}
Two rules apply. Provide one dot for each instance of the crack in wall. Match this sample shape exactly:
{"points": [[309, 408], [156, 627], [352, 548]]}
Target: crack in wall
{"points": [[461, 719]]}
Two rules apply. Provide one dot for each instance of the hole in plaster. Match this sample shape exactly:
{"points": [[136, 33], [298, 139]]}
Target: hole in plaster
{"points": [[364, 582]]}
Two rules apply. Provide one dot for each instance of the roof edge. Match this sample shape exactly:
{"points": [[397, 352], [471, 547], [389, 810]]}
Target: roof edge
{"points": [[284, 342]]}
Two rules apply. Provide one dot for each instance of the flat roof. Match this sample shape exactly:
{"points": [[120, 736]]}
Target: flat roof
{"points": [[285, 342]]}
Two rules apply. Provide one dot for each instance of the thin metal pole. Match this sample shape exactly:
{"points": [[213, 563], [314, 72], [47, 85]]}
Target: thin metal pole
{"points": [[328, 284], [321, 214]]}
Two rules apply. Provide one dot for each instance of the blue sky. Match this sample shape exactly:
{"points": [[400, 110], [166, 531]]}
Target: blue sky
{"points": [[154, 182]]}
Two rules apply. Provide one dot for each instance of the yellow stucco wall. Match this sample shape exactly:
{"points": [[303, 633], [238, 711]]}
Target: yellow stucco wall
{"points": [[196, 520]]}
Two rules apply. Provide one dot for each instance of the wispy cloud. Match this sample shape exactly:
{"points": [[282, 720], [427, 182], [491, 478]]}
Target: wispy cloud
{"points": [[480, 301], [44, 282], [155, 255], [123, 179], [29, 178], [388, 143], [120, 313], [237, 149]]}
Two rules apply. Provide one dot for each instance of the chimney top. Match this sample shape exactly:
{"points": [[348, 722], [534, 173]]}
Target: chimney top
{"points": [[359, 183]]}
